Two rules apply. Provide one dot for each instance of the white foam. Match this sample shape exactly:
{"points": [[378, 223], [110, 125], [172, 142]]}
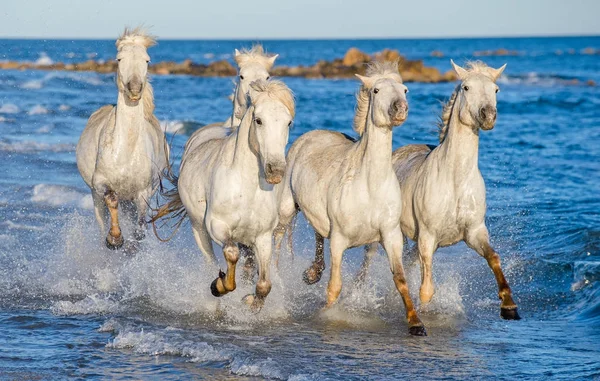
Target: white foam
{"points": [[38, 110], [33, 84], [9, 108], [32, 147], [61, 195], [6, 120], [64, 107], [172, 127], [44, 59], [45, 129], [167, 342], [92, 304]]}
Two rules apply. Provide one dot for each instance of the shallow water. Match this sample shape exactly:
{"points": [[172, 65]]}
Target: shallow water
{"points": [[70, 308]]}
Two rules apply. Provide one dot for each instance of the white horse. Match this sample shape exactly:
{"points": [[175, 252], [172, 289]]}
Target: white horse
{"points": [[443, 192], [122, 150], [253, 65], [227, 185], [348, 190]]}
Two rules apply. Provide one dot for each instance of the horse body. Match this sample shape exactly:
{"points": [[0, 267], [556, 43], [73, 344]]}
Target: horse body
{"points": [[442, 188], [228, 185], [122, 150], [348, 190]]}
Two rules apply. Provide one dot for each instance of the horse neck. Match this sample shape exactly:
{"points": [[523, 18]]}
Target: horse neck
{"points": [[244, 159], [375, 149], [460, 148], [129, 120]]}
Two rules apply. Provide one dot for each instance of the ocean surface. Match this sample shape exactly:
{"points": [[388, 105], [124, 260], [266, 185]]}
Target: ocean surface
{"points": [[70, 308]]}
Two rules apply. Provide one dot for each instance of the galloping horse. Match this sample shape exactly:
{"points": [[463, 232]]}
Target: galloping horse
{"points": [[347, 189], [122, 150], [227, 185]]}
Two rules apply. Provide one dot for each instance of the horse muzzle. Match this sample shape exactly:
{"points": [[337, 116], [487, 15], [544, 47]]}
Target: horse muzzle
{"points": [[274, 172], [487, 117], [398, 112], [134, 88]]}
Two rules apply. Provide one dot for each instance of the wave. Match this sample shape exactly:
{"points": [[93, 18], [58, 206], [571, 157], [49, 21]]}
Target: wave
{"points": [[9, 108], [33, 85], [171, 341], [586, 286], [38, 110], [538, 79], [180, 126], [60, 196], [33, 147], [44, 59]]}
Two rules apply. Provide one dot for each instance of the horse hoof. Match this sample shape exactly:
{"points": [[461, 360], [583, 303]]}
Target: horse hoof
{"points": [[510, 313], [114, 243], [255, 304], [213, 288], [311, 276], [417, 330]]}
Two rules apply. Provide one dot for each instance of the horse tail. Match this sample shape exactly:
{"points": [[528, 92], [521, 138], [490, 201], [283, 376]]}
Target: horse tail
{"points": [[172, 210]]}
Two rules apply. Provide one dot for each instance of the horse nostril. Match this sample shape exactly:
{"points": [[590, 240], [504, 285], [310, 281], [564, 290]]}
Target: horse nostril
{"points": [[482, 112], [269, 168]]}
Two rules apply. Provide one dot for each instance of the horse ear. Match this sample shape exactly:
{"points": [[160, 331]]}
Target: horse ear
{"points": [[496, 73], [272, 60], [237, 56], [462, 73], [367, 81]]}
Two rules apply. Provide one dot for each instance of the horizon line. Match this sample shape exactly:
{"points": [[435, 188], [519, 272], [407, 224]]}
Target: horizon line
{"points": [[446, 37]]}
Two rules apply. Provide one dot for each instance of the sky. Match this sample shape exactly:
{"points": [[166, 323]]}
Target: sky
{"points": [[276, 19]]}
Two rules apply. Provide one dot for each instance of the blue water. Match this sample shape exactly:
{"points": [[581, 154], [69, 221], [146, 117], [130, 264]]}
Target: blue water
{"points": [[71, 308]]}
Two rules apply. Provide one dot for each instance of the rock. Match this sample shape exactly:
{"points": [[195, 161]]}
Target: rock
{"points": [[590, 82], [221, 68], [437, 53], [387, 55], [497, 52], [588, 51], [162, 71], [355, 57]]}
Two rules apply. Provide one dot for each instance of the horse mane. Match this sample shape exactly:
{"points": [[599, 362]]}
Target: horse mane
{"points": [[256, 54], [444, 118], [136, 36], [382, 69], [472, 67], [274, 89]]}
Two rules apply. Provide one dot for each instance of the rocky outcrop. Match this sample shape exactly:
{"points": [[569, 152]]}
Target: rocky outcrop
{"points": [[353, 62]]}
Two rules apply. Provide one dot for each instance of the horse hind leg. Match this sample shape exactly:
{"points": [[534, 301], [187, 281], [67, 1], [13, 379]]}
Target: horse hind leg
{"points": [[225, 282], [262, 249], [393, 244], [114, 239], [480, 242], [313, 274], [249, 261], [370, 251]]}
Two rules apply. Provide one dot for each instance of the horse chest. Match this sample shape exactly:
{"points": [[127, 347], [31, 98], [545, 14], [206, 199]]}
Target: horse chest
{"points": [[246, 214]]}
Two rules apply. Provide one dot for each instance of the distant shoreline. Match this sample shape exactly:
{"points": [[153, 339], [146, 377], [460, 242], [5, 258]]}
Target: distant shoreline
{"points": [[252, 39]]}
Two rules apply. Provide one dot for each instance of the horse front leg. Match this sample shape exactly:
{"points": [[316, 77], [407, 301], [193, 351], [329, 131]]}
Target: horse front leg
{"points": [[138, 216], [114, 239], [249, 261], [479, 241], [337, 246], [426, 245], [225, 282], [262, 250], [313, 274], [393, 243]]}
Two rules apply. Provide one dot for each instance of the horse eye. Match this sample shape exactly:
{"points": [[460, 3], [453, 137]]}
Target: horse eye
{"points": [[466, 88], [497, 89], [268, 77], [290, 123], [118, 60], [147, 61], [405, 91], [242, 77], [258, 121], [375, 91]]}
